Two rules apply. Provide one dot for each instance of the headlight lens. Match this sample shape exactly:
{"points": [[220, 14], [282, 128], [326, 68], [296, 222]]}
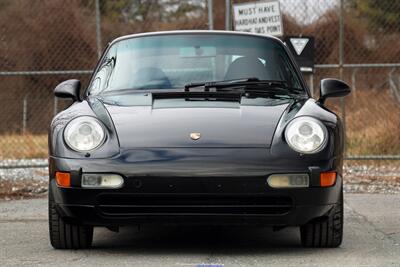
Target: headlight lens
{"points": [[306, 135], [84, 134]]}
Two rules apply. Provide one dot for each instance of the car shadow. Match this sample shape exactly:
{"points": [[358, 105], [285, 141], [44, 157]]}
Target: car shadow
{"points": [[198, 240]]}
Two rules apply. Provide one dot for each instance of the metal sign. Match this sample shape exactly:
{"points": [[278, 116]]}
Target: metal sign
{"points": [[258, 17], [299, 44], [302, 49]]}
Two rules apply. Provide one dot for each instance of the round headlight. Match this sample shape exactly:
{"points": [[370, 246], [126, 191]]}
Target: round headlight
{"points": [[306, 135], [84, 134]]}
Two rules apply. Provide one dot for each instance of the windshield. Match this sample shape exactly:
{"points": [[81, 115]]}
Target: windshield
{"points": [[175, 60]]}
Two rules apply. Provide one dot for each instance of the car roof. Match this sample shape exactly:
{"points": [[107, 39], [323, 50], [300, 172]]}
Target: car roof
{"points": [[194, 32]]}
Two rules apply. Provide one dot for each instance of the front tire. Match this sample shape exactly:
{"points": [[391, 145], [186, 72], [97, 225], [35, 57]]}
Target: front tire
{"points": [[325, 232], [64, 235]]}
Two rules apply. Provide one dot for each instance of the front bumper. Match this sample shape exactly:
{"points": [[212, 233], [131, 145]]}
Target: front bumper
{"points": [[172, 188]]}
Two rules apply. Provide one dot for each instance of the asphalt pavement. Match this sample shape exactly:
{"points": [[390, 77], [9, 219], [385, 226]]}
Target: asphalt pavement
{"points": [[371, 238]]}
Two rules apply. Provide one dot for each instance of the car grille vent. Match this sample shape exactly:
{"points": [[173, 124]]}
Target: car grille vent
{"points": [[134, 204]]}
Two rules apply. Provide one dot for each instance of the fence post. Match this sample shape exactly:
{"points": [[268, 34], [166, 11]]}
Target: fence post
{"points": [[311, 83], [353, 81], [227, 15], [55, 108], [210, 15], [24, 113], [98, 28], [393, 86], [341, 59]]}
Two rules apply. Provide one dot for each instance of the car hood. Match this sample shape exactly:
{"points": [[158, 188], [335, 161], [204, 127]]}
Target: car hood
{"points": [[240, 126]]}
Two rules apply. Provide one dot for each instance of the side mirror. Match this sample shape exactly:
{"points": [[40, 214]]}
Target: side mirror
{"points": [[332, 88], [68, 89]]}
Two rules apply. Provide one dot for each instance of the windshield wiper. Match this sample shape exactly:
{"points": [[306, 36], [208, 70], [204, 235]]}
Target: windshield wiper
{"points": [[253, 85], [229, 83], [198, 84]]}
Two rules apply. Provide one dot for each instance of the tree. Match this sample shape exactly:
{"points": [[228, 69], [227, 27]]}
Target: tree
{"points": [[139, 11], [378, 13]]}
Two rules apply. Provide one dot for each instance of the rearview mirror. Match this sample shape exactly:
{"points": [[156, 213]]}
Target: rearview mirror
{"points": [[332, 88], [68, 89]]}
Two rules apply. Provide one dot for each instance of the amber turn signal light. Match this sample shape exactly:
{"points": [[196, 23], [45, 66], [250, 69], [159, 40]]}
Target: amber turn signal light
{"points": [[327, 178], [63, 179]]}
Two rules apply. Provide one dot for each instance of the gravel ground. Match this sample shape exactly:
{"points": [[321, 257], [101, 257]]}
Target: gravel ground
{"points": [[372, 178], [18, 183]]}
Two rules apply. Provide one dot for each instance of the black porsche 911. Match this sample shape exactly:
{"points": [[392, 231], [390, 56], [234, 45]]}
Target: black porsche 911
{"points": [[196, 127]]}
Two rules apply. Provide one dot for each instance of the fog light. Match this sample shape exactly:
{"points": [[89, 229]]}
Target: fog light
{"points": [[98, 180], [288, 180]]}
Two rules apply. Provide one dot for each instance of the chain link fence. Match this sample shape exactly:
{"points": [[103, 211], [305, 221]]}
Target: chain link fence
{"points": [[44, 42]]}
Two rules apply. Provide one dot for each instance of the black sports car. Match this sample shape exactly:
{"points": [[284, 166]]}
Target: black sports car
{"points": [[196, 127]]}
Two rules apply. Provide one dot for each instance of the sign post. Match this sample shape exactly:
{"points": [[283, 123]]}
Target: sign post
{"points": [[302, 48], [258, 17]]}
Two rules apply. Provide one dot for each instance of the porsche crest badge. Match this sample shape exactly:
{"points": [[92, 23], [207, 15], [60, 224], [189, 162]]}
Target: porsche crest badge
{"points": [[195, 136]]}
